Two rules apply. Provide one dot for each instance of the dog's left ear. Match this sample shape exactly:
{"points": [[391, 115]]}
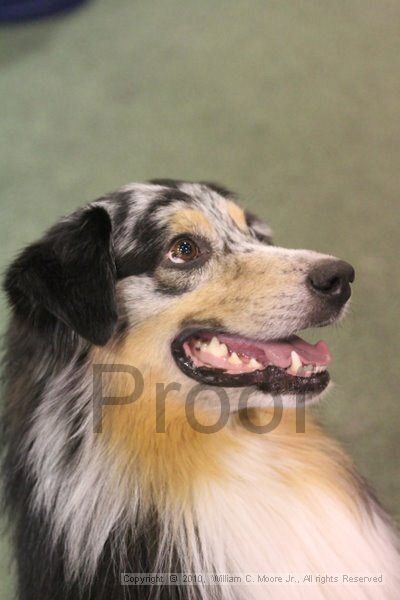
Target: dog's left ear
{"points": [[70, 273]]}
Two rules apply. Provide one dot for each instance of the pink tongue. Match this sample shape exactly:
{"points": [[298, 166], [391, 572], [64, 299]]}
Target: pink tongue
{"points": [[318, 353], [279, 353]]}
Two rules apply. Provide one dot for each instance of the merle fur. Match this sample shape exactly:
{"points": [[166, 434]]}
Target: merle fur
{"points": [[62, 293]]}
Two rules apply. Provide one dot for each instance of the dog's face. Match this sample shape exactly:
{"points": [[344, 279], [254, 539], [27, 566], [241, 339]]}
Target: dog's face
{"points": [[191, 283]]}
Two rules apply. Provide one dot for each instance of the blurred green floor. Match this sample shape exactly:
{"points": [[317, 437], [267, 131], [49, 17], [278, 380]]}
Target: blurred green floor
{"points": [[294, 105]]}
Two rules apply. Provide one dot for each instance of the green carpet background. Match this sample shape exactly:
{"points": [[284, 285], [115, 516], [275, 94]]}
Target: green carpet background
{"points": [[295, 105]]}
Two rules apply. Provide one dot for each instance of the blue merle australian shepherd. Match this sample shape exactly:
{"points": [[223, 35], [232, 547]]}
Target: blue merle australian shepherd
{"points": [[156, 418]]}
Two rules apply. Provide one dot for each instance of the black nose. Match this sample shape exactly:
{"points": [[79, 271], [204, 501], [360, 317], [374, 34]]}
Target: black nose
{"points": [[331, 279]]}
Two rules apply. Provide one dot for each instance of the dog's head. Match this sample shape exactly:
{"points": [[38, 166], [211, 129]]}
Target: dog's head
{"points": [[189, 283]]}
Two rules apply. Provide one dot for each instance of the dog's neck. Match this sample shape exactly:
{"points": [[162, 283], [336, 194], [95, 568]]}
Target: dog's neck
{"points": [[237, 501], [228, 501]]}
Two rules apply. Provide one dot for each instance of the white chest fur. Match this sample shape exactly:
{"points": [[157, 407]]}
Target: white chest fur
{"points": [[275, 515]]}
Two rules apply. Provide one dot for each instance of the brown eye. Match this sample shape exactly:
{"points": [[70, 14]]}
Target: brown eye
{"points": [[183, 250]]}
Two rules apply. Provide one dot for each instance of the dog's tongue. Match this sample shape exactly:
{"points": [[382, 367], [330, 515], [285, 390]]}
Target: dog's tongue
{"points": [[279, 353], [317, 354]]}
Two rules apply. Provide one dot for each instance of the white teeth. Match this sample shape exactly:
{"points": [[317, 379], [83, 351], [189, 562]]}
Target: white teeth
{"points": [[296, 363], [234, 359], [300, 370], [213, 347], [220, 350], [254, 364], [217, 349], [223, 349]]}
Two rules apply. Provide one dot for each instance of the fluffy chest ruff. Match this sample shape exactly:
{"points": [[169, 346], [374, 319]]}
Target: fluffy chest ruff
{"points": [[230, 502]]}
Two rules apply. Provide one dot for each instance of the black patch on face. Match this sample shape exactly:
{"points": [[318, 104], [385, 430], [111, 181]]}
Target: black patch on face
{"points": [[149, 237], [150, 240]]}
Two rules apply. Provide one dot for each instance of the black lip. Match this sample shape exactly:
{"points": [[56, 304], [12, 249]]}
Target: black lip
{"points": [[271, 380]]}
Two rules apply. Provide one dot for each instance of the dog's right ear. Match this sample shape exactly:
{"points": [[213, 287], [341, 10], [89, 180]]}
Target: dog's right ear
{"points": [[71, 274]]}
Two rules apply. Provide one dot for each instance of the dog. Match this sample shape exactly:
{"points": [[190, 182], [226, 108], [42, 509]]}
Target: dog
{"points": [[156, 411]]}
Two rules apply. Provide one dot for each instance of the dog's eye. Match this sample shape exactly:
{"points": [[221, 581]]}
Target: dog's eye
{"points": [[183, 250]]}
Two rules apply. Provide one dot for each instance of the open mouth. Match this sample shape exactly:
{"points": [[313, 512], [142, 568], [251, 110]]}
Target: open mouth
{"points": [[285, 366]]}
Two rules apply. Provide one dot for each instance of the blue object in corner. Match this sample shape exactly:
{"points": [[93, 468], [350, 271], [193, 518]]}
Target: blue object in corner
{"points": [[21, 10]]}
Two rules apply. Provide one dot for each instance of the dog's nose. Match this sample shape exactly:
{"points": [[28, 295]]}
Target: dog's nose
{"points": [[331, 279]]}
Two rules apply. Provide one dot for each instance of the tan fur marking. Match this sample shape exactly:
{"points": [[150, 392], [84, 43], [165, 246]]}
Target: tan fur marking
{"points": [[191, 220], [169, 464], [237, 214]]}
